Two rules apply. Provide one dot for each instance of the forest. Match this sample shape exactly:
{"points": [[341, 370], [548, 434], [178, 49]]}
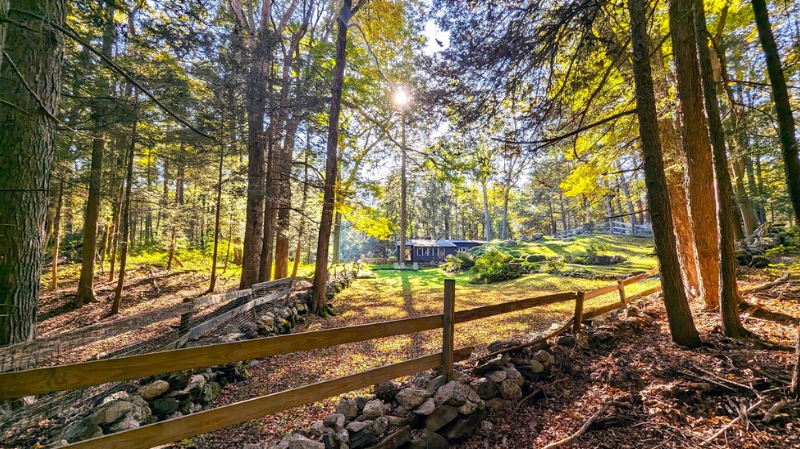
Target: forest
{"points": [[164, 154]]}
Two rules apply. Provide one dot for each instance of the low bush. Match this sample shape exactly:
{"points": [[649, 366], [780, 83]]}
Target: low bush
{"points": [[494, 266], [458, 263]]}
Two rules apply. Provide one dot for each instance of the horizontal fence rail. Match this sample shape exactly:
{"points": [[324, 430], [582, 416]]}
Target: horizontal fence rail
{"points": [[66, 377]]}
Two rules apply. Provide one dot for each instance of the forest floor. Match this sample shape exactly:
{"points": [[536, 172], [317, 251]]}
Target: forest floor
{"points": [[677, 398]]}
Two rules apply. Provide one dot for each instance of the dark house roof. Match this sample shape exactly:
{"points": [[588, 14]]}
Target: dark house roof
{"points": [[439, 243]]}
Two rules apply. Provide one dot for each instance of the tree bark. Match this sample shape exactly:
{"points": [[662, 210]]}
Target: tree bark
{"points": [[783, 108], [318, 296], [337, 235], [57, 237], [729, 293], [675, 166], [125, 217], [487, 219], [302, 226], [681, 324], [213, 285], [270, 208], [697, 148], [31, 84]]}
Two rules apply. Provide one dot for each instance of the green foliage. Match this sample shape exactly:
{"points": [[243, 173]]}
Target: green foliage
{"points": [[555, 266], [493, 266], [780, 249], [458, 263], [596, 248]]}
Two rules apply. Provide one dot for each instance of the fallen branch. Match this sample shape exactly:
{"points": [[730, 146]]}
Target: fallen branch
{"points": [[732, 423], [776, 407], [586, 425], [564, 327], [766, 285]]}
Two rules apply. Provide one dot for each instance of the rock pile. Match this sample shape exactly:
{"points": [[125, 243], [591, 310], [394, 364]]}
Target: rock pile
{"points": [[427, 413], [157, 398]]}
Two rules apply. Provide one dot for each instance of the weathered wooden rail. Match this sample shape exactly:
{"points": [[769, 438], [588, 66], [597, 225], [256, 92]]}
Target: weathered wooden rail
{"points": [[65, 377]]}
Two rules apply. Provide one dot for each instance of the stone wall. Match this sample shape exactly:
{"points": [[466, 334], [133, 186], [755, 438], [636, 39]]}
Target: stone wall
{"points": [[428, 412]]}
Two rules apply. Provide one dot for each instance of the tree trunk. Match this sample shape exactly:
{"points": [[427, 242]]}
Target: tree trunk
{"points": [[697, 149], [171, 248], [783, 108], [57, 237], [213, 285], [487, 219], [563, 215], [318, 297], [729, 292], [270, 206], [681, 324], [504, 228], [125, 217], [401, 258], [301, 230], [337, 235], [32, 57], [743, 198], [285, 201], [256, 169], [675, 166], [86, 282]]}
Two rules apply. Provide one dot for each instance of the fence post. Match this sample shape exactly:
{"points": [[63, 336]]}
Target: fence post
{"points": [[448, 318], [576, 324], [622, 300], [186, 319]]}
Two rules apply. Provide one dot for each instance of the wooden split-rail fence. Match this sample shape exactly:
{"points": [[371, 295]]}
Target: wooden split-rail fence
{"points": [[65, 377]]}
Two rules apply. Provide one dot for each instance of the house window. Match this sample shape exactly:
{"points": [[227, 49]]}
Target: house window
{"points": [[419, 251], [462, 249]]}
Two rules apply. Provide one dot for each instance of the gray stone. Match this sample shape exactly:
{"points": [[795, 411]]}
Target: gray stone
{"points": [[335, 421], [487, 426], [464, 427], [380, 425], [153, 390], [497, 376], [428, 440], [210, 391], [164, 406], [495, 405], [485, 388], [348, 408], [110, 412], [343, 436], [468, 408], [436, 383], [84, 431], [386, 390], [473, 396], [126, 423], [566, 340], [426, 408], [318, 429], [536, 366], [232, 337], [510, 390], [356, 426], [493, 364], [452, 393], [398, 421], [366, 437], [297, 441], [513, 374], [411, 398], [545, 357], [440, 417], [373, 409]]}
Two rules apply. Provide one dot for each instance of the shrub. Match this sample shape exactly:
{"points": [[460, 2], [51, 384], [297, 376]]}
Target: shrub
{"points": [[536, 258], [531, 267], [595, 249], [458, 263], [494, 266], [555, 265]]}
